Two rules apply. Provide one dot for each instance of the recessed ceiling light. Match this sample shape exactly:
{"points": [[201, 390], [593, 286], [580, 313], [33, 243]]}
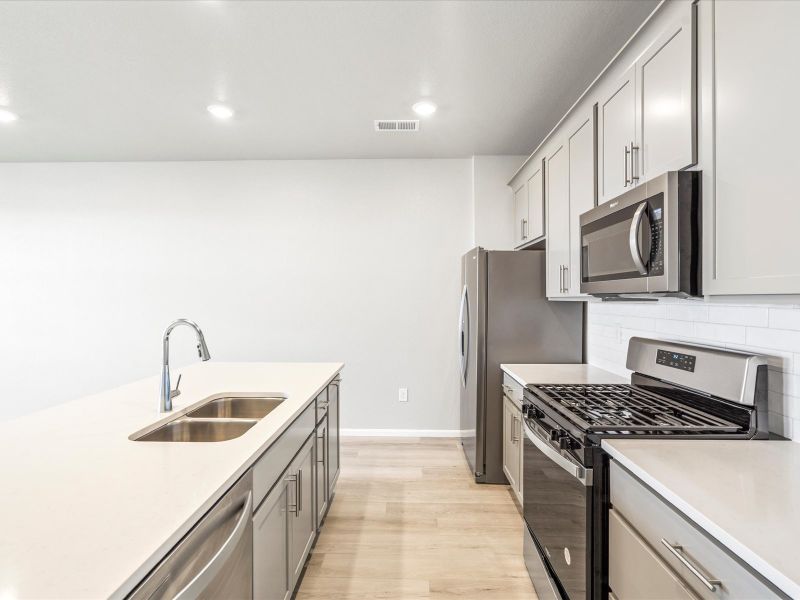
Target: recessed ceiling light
{"points": [[220, 111], [424, 108], [6, 116]]}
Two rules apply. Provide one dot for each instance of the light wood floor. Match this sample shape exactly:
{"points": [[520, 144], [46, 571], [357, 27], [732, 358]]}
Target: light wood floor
{"points": [[408, 522]]}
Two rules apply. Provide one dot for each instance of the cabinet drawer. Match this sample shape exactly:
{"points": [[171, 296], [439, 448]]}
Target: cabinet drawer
{"points": [[512, 389], [275, 460], [659, 524], [635, 571]]}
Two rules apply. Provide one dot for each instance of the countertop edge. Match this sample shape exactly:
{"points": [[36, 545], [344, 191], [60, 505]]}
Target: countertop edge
{"points": [[144, 569], [756, 562]]}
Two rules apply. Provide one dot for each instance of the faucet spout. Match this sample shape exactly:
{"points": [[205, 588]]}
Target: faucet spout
{"points": [[167, 393]]}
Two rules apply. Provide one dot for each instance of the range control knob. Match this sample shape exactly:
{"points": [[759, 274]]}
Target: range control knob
{"points": [[565, 443], [557, 434]]}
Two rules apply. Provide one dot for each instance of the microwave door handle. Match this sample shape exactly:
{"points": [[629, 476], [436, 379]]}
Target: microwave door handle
{"points": [[633, 238]]}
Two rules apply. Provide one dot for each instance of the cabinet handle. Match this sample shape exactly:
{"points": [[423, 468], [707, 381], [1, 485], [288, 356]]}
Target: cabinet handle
{"points": [[634, 177], [566, 279], [524, 229], [627, 152], [515, 429], [677, 552], [322, 439], [299, 491], [294, 507], [560, 278]]}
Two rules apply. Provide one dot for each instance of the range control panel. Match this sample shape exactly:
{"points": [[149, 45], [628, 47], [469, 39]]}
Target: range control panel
{"points": [[676, 360]]}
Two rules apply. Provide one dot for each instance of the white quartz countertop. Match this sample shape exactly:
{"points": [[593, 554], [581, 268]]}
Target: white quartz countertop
{"points": [[745, 494], [86, 513], [558, 373]]}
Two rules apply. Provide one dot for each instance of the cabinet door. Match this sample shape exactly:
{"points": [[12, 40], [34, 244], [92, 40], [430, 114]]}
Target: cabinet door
{"points": [[582, 178], [321, 469], [635, 572], [271, 546], [667, 96], [751, 220], [617, 133], [334, 451], [536, 208], [507, 443], [557, 182], [520, 215], [302, 523]]}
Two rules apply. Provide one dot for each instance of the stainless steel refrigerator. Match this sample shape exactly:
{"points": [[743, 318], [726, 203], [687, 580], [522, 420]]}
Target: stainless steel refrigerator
{"points": [[506, 318]]}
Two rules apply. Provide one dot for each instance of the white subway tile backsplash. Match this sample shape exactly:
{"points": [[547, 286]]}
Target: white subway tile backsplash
{"points": [[784, 318], [755, 316], [675, 328], [773, 331], [780, 339], [724, 334], [687, 312]]}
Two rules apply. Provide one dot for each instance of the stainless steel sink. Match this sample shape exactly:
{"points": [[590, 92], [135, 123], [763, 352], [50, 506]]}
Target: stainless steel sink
{"points": [[194, 430], [217, 419], [236, 408]]}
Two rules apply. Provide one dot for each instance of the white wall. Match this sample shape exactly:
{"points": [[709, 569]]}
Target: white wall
{"points": [[493, 200], [352, 260], [773, 330]]}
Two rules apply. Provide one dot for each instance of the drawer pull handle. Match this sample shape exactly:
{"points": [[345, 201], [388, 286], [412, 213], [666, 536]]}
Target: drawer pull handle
{"points": [[677, 552]]}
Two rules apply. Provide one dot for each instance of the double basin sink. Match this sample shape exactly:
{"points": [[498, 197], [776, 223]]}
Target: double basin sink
{"points": [[216, 420]]}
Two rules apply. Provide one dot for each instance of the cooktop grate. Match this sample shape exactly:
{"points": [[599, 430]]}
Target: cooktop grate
{"points": [[615, 408]]}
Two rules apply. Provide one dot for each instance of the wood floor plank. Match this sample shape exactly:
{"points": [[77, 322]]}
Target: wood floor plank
{"points": [[408, 523]]}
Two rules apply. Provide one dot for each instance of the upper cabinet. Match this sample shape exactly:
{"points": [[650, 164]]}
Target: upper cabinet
{"points": [[529, 211], [647, 117], [749, 89], [617, 136], [571, 177]]}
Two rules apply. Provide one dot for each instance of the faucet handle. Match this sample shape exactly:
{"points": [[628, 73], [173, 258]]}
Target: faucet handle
{"points": [[176, 391]]}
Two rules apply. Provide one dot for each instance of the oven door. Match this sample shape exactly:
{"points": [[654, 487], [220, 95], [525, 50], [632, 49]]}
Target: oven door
{"points": [[556, 502], [621, 244]]}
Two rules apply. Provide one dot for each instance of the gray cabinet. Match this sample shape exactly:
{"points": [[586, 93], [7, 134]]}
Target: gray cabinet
{"points": [[334, 450], [557, 181], [512, 435], [750, 208], [271, 546], [655, 547], [302, 521], [529, 202], [322, 453], [284, 527], [647, 118]]}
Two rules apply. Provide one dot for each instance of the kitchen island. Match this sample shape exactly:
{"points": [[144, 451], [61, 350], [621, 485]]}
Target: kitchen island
{"points": [[88, 512]]}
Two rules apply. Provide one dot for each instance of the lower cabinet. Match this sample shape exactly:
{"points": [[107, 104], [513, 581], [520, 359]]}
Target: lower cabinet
{"points": [[322, 453], [286, 522], [512, 445], [303, 524], [333, 435], [271, 546], [655, 551]]}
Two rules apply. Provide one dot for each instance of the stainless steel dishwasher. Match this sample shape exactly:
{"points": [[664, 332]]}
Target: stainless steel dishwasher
{"points": [[215, 559]]}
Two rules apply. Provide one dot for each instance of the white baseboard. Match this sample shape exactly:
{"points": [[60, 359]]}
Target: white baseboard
{"points": [[447, 433]]}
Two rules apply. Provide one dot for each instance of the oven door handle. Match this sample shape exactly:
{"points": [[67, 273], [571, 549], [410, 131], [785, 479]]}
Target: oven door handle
{"points": [[578, 472], [633, 238]]}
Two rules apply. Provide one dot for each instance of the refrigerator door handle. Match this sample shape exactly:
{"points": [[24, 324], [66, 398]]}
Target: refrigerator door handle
{"points": [[463, 324]]}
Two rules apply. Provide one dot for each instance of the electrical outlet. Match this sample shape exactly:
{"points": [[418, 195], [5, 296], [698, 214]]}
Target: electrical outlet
{"points": [[402, 395]]}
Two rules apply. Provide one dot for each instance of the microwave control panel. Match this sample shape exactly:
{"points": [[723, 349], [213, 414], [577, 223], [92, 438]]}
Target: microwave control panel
{"points": [[656, 214]]}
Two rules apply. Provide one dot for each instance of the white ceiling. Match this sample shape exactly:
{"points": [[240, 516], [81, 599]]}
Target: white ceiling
{"points": [[130, 80]]}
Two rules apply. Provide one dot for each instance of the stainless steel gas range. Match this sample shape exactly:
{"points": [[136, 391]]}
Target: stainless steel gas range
{"points": [[676, 391]]}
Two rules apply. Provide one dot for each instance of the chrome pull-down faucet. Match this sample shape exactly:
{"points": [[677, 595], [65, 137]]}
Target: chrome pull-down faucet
{"points": [[167, 393]]}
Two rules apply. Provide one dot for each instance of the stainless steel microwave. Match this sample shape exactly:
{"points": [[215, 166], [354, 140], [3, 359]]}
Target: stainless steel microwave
{"points": [[645, 241]]}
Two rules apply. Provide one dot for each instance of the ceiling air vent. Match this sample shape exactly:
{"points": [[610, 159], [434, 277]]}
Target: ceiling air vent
{"points": [[396, 125]]}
